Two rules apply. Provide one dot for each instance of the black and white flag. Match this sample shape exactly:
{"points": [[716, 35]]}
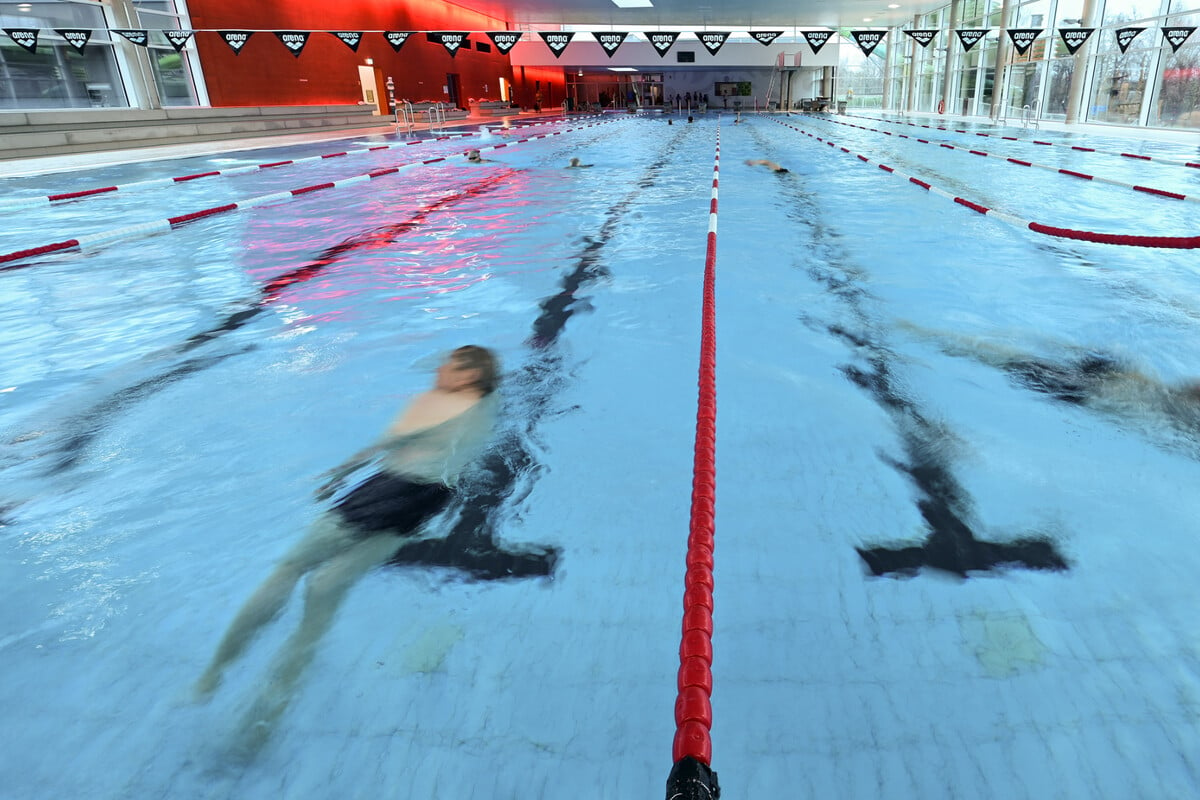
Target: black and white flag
{"points": [[141, 38], [1177, 36], [177, 38], [610, 40], [662, 41], [349, 38], [236, 39], [1125, 37], [451, 40], [922, 37], [817, 39], [557, 41], [1074, 38], [867, 41], [766, 37], [293, 40], [396, 38], [713, 41], [1023, 38], [26, 37], [505, 40], [76, 38], [971, 37]]}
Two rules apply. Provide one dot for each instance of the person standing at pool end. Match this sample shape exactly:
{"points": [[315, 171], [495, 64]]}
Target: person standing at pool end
{"points": [[418, 461], [762, 162]]}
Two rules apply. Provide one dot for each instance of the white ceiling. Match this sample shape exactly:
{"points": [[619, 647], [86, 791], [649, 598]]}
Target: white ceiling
{"points": [[714, 14]]}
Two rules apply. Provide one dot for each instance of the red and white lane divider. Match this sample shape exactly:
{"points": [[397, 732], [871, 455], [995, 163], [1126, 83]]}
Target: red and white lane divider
{"points": [[693, 705], [1070, 172], [1138, 157], [96, 240], [22, 202], [1168, 242]]}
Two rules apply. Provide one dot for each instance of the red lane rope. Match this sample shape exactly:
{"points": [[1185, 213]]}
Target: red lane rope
{"points": [[170, 223], [693, 707], [1072, 173], [51, 198], [1080, 148], [1169, 242]]}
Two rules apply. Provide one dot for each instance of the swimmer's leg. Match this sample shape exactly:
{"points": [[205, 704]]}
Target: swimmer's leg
{"points": [[325, 539], [326, 589]]}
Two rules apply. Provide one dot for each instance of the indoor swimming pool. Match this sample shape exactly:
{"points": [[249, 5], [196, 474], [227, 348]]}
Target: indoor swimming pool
{"points": [[956, 459]]}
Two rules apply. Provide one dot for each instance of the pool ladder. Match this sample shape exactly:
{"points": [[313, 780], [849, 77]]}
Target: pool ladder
{"points": [[406, 117], [437, 117]]}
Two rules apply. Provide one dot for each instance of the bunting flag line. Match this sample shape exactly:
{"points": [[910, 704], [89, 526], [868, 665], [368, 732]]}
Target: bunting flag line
{"points": [[236, 39], [610, 40], [505, 40], [76, 38], [922, 37], [1075, 38], [1125, 37], [971, 37], [662, 41], [451, 40], [26, 37], [352, 38], [867, 41], [817, 39], [293, 40], [713, 41], [1177, 35], [177, 38], [557, 41], [396, 38], [1023, 38], [766, 37], [140, 38]]}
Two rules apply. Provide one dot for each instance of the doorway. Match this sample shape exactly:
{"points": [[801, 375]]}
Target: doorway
{"points": [[454, 89]]}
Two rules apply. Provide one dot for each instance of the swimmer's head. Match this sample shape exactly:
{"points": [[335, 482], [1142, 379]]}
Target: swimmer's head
{"points": [[473, 155], [574, 162], [471, 367]]}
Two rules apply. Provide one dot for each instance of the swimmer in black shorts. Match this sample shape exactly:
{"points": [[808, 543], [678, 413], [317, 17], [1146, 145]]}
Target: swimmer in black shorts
{"points": [[418, 461]]}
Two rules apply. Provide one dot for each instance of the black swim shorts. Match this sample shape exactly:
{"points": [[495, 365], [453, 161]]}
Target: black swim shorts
{"points": [[387, 503]]}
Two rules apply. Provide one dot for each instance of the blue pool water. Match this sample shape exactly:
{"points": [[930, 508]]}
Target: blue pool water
{"points": [[169, 403]]}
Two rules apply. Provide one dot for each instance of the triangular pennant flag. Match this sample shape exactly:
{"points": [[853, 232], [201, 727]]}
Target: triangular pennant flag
{"points": [[922, 38], [505, 40], [557, 41], [177, 38], [971, 37], [1023, 38], [662, 40], [76, 38], [867, 41], [713, 41], [236, 39], [26, 37], [610, 40], [293, 40], [396, 38], [1177, 36], [141, 38], [766, 37], [1074, 38], [817, 39], [451, 40], [1125, 37], [349, 38]]}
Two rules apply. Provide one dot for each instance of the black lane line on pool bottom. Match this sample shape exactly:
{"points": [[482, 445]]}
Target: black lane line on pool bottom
{"points": [[944, 504], [508, 470], [91, 423]]}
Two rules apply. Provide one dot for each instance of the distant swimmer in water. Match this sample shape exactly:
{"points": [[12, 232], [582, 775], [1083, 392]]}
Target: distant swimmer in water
{"points": [[762, 162], [474, 157], [575, 163], [416, 463], [1086, 378]]}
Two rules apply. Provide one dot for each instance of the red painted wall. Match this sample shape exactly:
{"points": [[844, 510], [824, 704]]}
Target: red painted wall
{"points": [[265, 73]]}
